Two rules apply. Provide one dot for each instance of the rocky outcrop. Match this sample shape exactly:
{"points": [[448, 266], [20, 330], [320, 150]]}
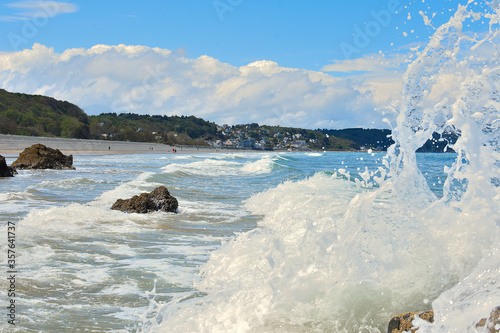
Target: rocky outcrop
{"points": [[404, 322], [492, 324], [6, 171], [42, 157], [158, 200]]}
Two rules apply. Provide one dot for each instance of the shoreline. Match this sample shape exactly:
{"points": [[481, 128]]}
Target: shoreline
{"points": [[15, 144]]}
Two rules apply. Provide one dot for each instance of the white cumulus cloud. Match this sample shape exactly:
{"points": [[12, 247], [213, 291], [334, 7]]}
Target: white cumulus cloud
{"points": [[157, 81]]}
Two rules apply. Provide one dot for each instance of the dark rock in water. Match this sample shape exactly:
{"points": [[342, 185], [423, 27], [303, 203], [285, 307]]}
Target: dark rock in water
{"points": [[404, 322], [493, 323], [42, 157], [159, 199], [6, 171]]}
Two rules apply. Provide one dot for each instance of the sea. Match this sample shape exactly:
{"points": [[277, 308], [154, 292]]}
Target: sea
{"points": [[279, 242], [252, 228]]}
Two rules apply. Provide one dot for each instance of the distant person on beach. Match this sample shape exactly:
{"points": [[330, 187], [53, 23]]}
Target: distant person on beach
{"points": [[109, 148], [173, 150]]}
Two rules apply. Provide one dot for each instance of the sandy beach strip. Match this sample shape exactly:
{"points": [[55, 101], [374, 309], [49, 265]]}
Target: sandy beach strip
{"points": [[15, 144]]}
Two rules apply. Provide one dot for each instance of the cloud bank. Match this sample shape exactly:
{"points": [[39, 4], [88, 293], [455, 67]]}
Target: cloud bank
{"points": [[157, 81]]}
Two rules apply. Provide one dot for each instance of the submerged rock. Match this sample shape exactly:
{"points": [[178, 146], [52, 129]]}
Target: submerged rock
{"points": [[158, 199], [6, 171], [40, 156], [404, 322], [492, 324]]}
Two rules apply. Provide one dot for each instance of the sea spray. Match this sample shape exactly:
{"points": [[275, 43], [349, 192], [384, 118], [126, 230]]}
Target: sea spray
{"points": [[85, 258], [332, 257], [471, 194], [321, 260], [462, 227]]}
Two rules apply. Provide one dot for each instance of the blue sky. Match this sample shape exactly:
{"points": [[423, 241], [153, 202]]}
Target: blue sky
{"points": [[339, 39], [300, 34]]}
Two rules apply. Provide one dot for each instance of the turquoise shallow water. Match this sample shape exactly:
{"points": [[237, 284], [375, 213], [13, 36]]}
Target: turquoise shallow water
{"points": [[87, 268]]}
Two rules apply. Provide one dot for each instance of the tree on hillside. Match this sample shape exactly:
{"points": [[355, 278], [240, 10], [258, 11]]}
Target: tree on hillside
{"points": [[72, 128]]}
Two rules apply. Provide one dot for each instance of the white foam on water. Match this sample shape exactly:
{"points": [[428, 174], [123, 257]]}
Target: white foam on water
{"points": [[39, 253], [208, 167], [91, 275], [468, 217], [235, 156], [262, 166], [128, 314], [225, 165], [19, 196], [205, 212], [314, 263], [127, 190], [163, 269], [75, 218], [122, 249], [332, 257], [67, 183], [460, 308], [184, 157], [12, 208], [122, 289]]}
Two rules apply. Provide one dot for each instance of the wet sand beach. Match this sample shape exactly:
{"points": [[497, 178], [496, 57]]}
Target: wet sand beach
{"points": [[15, 144]]}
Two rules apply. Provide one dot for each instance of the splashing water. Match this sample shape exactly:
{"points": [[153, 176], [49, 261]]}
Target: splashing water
{"points": [[332, 257], [469, 230]]}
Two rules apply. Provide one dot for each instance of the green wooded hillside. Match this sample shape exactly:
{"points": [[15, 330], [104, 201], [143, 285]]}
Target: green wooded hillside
{"points": [[146, 128], [35, 115]]}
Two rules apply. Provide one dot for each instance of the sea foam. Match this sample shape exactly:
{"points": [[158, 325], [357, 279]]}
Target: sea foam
{"points": [[329, 256]]}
